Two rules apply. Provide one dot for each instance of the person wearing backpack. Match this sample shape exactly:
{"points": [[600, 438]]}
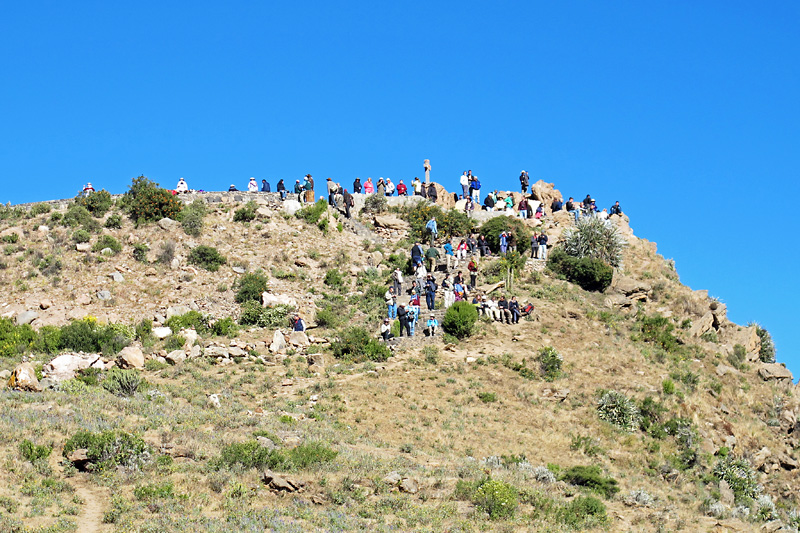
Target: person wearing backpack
{"points": [[432, 228], [430, 292], [473, 274]]}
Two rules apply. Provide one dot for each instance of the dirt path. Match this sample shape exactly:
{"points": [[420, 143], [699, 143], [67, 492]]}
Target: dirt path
{"points": [[95, 502]]}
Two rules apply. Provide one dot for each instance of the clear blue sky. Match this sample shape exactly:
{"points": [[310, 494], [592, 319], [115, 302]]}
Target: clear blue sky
{"points": [[686, 112]]}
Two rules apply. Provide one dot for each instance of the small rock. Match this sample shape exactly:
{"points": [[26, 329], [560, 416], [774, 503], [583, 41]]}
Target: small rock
{"points": [[177, 310], [265, 442], [175, 264], [104, 295], [107, 251], [83, 246], [79, 458], [409, 485], [775, 371], [287, 383], [162, 332], [116, 276], [298, 338], [24, 378], [26, 317], [725, 369], [217, 351], [213, 401], [392, 478], [235, 351], [278, 342], [151, 271], [239, 270], [45, 304], [167, 224], [5, 374], [195, 352], [175, 357], [131, 357], [726, 493]]}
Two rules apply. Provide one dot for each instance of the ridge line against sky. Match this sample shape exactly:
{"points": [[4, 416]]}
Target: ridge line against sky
{"points": [[687, 113]]}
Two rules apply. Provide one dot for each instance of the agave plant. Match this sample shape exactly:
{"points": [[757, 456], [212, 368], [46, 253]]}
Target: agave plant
{"points": [[596, 238]]}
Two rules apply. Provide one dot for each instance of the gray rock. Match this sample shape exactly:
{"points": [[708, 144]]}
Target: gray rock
{"points": [[45, 304], [290, 207], [195, 352], [104, 295], [175, 264], [270, 300], [235, 351], [167, 224], [26, 317], [116, 276], [239, 270], [703, 325], [217, 351], [776, 371], [177, 310], [278, 342], [264, 442], [162, 332], [106, 251], [298, 338], [175, 357], [409, 485], [131, 357], [393, 478], [725, 369], [213, 401], [66, 365], [83, 246]]}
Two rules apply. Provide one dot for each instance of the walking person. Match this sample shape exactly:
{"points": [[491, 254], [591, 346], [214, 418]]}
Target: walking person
{"points": [[430, 293], [542, 246]]}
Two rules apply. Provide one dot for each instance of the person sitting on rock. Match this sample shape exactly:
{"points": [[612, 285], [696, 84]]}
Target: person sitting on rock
{"points": [[483, 246], [281, 188], [472, 244], [491, 309], [539, 212], [402, 190], [433, 325], [479, 304], [513, 306], [459, 291], [509, 200], [299, 323], [252, 186], [556, 205], [587, 201], [505, 313], [603, 215], [469, 207], [570, 205], [488, 202], [182, 186], [386, 330], [615, 209], [265, 186], [298, 189], [233, 188]]}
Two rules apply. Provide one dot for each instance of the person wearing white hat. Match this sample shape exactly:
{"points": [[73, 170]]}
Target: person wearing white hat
{"points": [[252, 186], [523, 181], [182, 186], [88, 188]]}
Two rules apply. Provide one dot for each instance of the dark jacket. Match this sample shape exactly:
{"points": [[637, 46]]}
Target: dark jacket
{"points": [[430, 287], [357, 185], [488, 202], [281, 186], [543, 240], [265, 186], [402, 314], [416, 251], [432, 194], [502, 304]]}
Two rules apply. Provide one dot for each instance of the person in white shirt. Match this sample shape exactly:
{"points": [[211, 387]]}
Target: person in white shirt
{"points": [[182, 186], [389, 187], [492, 311], [465, 184], [252, 186]]}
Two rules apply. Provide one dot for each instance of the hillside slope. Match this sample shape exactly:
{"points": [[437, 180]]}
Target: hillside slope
{"points": [[668, 403]]}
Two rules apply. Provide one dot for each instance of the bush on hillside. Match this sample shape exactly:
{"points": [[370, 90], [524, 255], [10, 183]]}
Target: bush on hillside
{"points": [[113, 222], [450, 223], [313, 213], [618, 410], [15, 339], [107, 241], [251, 286], [246, 213], [335, 279], [191, 218], [97, 203], [34, 452], [595, 238], [492, 228], [740, 476], [496, 498], [459, 320], [375, 203], [146, 201], [207, 257], [357, 345], [88, 336], [592, 478], [590, 274], [39, 209], [657, 330], [109, 449], [80, 236], [767, 351], [122, 382], [252, 454], [550, 362], [77, 215], [140, 252], [225, 327], [584, 512], [191, 320], [254, 314]]}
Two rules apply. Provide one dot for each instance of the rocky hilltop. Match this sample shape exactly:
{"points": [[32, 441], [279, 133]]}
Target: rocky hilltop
{"points": [[152, 380]]}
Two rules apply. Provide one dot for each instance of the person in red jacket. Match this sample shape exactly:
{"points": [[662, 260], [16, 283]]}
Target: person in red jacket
{"points": [[402, 190]]}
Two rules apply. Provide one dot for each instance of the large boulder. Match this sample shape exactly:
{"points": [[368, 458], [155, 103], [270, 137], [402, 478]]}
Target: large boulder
{"points": [[444, 199], [390, 222], [702, 325], [545, 193], [175, 357], [290, 207], [65, 366], [131, 357], [270, 300], [775, 371], [631, 288], [24, 378], [298, 338], [167, 224], [26, 317], [278, 342]]}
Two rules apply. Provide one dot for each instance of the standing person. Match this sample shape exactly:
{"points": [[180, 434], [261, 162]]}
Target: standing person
{"points": [[397, 281], [369, 187], [389, 187], [534, 245], [475, 189], [416, 254], [347, 198], [570, 204], [447, 289], [391, 303], [523, 182], [402, 190], [473, 274], [380, 188], [464, 180], [417, 186], [298, 189], [431, 254], [449, 254], [432, 194], [332, 188], [298, 324], [413, 315], [252, 186], [512, 242], [403, 317], [503, 243], [386, 330], [432, 228], [309, 189], [542, 246], [469, 207], [509, 200], [523, 208], [265, 186], [421, 273], [513, 306], [433, 324], [430, 292], [281, 188], [357, 186], [415, 291]]}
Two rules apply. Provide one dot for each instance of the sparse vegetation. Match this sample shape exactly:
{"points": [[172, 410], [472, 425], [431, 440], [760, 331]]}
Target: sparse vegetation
{"points": [[459, 320], [355, 344], [146, 201], [595, 238], [251, 286], [618, 410], [589, 273], [207, 257]]}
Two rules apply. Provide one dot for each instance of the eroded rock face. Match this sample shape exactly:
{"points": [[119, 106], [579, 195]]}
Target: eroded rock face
{"points": [[776, 371]]}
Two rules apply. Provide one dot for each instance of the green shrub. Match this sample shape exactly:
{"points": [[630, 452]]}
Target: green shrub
{"points": [[375, 203], [657, 330], [595, 238], [767, 351], [487, 397], [450, 223], [39, 209], [122, 382], [140, 252], [77, 215], [312, 213], [11, 238], [15, 339], [651, 412], [167, 253], [592, 478], [668, 387], [88, 336], [145, 201], [107, 241], [327, 317], [48, 340], [590, 274], [114, 222], [251, 286], [311, 453], [245, 213], [97, 202], [584, 512], [191, 320], [174, 342], [79, 236], [550, 362], [109, 449], [334, 278], [740, 476], [254, 314], [459, 319], [154, 491], [207, 257], [33, 452], [225, 327], [492, 228], [497, 498], [357, 345], [618, 410], [251, 454], [738, 356], [191, 218]]}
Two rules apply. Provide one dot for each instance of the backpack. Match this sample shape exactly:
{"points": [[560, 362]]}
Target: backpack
{"points": [[527, 309]]}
